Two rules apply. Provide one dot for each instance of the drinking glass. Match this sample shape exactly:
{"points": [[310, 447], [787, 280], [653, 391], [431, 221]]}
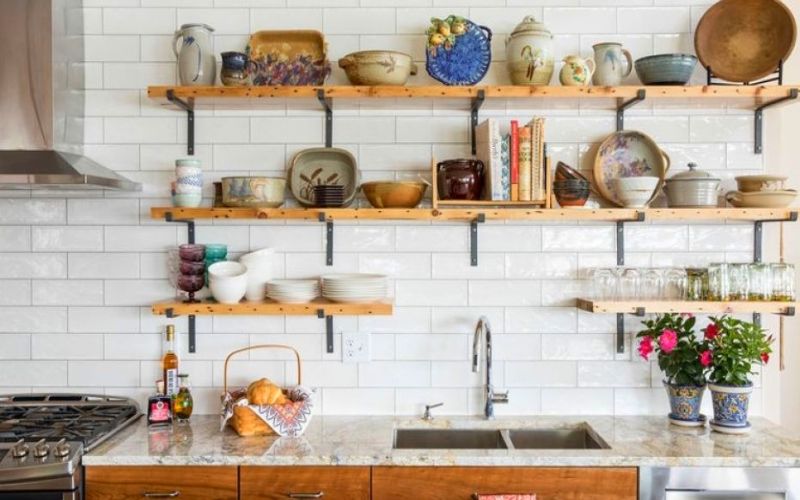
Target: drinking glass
{"points": [[675, 284], [652, 284], [718, 284], [696, 283], [629, 283], [783, 282], [739, 281], [191, 252], [760, 282], [605, 284]]}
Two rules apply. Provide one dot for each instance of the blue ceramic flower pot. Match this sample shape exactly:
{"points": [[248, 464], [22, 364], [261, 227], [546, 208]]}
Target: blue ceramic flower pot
{"points": [[730, 404], [685, 401]]}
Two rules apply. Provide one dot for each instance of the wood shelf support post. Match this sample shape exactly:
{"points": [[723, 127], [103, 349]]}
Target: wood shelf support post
{"points": [[187, 106], [477, 102], [473, 239], [758, 146], [326, 103], [641, 95]]}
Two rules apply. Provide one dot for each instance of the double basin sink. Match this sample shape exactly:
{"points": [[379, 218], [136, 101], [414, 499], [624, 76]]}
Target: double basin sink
{"points": [[572, 438]]}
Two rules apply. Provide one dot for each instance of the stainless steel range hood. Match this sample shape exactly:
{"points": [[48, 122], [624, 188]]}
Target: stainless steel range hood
{"points": [[41, 111]]}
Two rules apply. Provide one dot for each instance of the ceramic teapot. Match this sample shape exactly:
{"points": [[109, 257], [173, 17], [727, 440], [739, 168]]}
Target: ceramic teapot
{"points": [[529, 52], [576, 71], [197, 64]]}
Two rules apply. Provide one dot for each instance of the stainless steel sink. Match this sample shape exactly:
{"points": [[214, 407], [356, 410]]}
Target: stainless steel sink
{"points": [[577, 438], [449, 439], [570, 438]]}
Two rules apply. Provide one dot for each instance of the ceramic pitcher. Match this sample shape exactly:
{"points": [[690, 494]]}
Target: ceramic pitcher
{"points": [[576, 71], [609, 68], [196, 62]]}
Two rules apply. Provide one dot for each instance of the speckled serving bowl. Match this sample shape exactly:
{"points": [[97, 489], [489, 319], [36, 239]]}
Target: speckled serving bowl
{"points": [[666, 69]]}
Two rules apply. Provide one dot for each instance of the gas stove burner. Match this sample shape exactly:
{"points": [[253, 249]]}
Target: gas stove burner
{"points": [[89, 419]]}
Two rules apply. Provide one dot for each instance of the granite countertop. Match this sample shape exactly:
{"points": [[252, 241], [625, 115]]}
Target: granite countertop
{"points": [[634, 441]]}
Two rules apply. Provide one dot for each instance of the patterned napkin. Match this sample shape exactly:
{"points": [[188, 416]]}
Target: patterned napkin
{"points": [[288, 420]]}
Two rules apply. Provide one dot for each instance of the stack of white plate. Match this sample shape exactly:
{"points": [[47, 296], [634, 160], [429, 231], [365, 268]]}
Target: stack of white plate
{"points": [[354, 288], [293, 291]]}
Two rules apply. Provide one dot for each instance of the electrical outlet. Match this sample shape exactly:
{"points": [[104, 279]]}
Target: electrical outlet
{"points": [[355, 347]]}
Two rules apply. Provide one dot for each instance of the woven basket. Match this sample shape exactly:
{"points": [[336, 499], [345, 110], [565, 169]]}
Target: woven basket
{"points": [[288, 419]]}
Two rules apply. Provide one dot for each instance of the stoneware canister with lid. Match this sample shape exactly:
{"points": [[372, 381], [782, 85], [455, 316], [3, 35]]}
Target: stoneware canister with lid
{"points": [[529, 52], [692, 189]]}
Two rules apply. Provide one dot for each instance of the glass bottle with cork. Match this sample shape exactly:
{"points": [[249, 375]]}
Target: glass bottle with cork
{"points": [[183, 403], [169, 364]]}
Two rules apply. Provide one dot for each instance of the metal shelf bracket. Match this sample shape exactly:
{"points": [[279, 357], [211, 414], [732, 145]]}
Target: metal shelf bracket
{"points": [[641, 94], [328, 238], [473, 239], [170, 313], [477, 102], [640, 311], [759, 119], [326, 103], [189, 226], [187, 106], [620, 236], [328, 329]]}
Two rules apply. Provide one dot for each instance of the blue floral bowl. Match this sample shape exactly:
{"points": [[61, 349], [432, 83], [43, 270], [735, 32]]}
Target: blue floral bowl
{"points": [[458, 51]]}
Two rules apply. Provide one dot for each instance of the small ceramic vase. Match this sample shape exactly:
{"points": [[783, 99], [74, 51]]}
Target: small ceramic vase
{"points": [[576, 72], [609, 69], [730, 408], [234, 69], [196, 62]]}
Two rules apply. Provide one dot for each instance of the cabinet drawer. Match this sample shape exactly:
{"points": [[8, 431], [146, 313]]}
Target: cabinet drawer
{"points": [[328, 483], [161, 481], [460, 483]]}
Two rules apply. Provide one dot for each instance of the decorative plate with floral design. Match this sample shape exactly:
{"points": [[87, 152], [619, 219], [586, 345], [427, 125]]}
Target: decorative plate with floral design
{"points": [[628, 153], [459, 51]]}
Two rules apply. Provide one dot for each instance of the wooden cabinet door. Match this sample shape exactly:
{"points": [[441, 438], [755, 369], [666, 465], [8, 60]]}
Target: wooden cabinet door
{"points": [[161, 481], [327, 483], [460, 483]]}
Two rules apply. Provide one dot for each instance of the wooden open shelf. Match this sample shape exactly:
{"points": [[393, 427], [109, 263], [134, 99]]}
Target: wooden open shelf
{"points": [[683, 306], [467, 214], [698, 95], [270, 308]]}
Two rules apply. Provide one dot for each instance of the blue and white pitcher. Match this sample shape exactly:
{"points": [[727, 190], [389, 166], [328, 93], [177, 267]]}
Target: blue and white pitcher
{"points": [[196, 62]]}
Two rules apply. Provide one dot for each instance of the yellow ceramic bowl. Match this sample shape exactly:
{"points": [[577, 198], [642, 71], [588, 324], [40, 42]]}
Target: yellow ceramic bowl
{"points": [[394, 194]]}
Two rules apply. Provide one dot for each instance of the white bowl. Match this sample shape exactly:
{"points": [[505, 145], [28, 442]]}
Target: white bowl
{"points": [[635, 192], [259, 266], [228, 281]]}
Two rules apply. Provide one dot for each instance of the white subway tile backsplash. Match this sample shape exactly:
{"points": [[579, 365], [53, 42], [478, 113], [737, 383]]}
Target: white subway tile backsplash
{"points": [[80, 270]]}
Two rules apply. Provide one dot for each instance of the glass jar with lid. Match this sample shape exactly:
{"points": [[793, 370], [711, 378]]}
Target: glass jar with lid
{"points": [[696, 283], [760, 281], [739, 281], [718, 282]]}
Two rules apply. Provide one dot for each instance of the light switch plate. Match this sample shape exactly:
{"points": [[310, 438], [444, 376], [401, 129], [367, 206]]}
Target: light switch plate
{"points": [[355, 347]]}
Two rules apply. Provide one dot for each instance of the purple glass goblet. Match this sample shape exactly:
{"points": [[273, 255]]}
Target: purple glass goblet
{"points": [[192, 252], [193, 268], [191, 284]]}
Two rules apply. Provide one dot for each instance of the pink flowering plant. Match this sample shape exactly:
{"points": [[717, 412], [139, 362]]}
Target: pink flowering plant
{"points": [[671, 337], [732, 348]]}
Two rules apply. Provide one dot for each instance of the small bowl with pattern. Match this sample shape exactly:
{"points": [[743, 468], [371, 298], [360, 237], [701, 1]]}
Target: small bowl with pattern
{"points": [[253, 192], [378, 67], [571, 192], [666, 69]]}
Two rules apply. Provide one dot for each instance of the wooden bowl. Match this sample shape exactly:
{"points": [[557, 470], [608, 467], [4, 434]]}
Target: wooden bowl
{"points": [[744, 40], [394, 194]]}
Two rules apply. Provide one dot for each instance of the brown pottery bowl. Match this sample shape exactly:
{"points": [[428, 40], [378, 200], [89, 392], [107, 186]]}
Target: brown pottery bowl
{"points": [[391, 194]]}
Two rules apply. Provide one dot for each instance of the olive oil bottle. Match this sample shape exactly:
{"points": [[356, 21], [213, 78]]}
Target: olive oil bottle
{"points": [[169, 364]]}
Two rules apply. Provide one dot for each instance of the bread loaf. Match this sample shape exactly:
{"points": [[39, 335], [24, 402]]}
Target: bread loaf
{"points": [[264, 392]]}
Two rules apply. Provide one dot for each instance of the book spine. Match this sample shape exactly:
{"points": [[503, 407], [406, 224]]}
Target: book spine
{"points": [[542, 162], [495, 160], [514, 157], [525, 164], [505, 157]]}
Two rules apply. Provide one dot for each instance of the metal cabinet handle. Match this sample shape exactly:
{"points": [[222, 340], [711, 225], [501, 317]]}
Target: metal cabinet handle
{"points": [[170, 494], [318, 494]]}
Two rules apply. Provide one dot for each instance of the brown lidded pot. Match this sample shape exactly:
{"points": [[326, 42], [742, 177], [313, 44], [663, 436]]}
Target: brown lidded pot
{"points": [[460, 179]]}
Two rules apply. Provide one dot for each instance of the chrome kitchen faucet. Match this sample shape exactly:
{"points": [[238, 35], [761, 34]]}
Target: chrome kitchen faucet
{"points": [[484, 330]]}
